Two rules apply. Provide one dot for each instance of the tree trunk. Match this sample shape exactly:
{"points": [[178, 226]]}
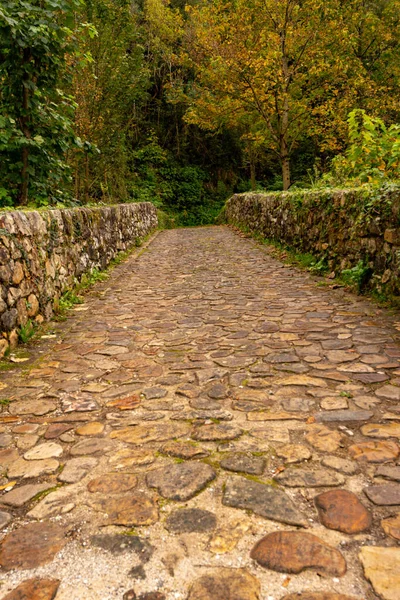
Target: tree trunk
{"points": [[286, 173], [24, 122], [252, 173], [284, 151]]}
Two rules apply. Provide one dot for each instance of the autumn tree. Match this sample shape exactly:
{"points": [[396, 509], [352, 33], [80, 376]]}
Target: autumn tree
{"points": [[283, 66]]}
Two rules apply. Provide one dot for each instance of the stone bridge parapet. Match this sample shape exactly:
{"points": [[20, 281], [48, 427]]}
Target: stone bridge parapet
{"points": [[45, 253], [355, 229]]}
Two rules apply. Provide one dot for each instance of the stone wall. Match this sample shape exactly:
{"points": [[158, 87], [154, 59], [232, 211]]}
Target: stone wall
{"points": [[342, 227], [43, 254]]}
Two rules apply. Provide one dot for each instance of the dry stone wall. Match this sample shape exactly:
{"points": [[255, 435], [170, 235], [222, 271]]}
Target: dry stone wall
{"points": [[343, 227], [43, 254]]}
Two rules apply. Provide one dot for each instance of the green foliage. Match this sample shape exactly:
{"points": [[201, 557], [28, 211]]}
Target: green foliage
{"points": [[373, 154], [68, 301], [36, 109], [358, 275]]}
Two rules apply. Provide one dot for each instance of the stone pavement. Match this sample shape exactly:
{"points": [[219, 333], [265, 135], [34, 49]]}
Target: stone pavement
{"points": [[209, 425]]}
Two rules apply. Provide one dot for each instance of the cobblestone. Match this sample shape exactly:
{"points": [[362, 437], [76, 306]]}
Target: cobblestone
{"points": [[204, 398]]}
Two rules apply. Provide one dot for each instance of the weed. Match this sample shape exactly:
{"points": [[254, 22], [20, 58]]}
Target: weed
{"points": [[358, 275], [68, 300], [5, 402], [26, 332]]}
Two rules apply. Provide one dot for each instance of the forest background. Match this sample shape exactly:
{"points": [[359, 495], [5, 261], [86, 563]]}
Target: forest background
{"points": [[183, 104]]}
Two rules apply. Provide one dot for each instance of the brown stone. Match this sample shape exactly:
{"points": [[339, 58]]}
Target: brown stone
{"points": [[32, 407], [293, 453], [89, 429], [225, 584], [32, 468], [181, 481], [7, 457], [391, 526], [127, 457], [387, 494], [318, 596], [374, 452], [294, 551], [127, 403], [342, 510], [382, 569], [387, 472], [143, 434], [132, 510], [309, 478], [389, 392], [216, 431], [323, 438], [20, 495], [384, 431], [112, 483], [184, 450], [34, 589], [54, 430], [31, 546]]}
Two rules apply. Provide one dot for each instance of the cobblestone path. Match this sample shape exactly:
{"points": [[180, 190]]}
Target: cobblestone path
{"points": [[209, 425]]}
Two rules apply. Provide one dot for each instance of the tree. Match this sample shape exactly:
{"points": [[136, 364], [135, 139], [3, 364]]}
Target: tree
{"points": [[282, 69], [36, 112]]}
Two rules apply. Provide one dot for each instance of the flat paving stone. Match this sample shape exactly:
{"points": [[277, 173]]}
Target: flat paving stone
{"points": [[89, 429], [112, 483], [295, 551], [32, 407], [322, 438], [386, 494], [226, 584], [31, 546], [181, 481], [343, 416], [265, 500], [215, 432], [5, 518], [318, 596], [184, 450], [391, 526], [91, 446], [132, 510], [58, 503], [343, 465], [23, 494], [191, 520], [43, 451], [77, 468], [382, 568], [144, 434], [243, 463], [32, 468], [294, 453], [387, 472], [389, 392], [317, 477], [374, 452], [34, 589], [382, 431]]}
